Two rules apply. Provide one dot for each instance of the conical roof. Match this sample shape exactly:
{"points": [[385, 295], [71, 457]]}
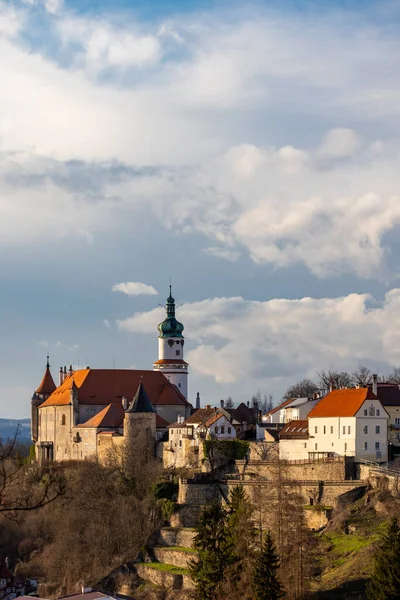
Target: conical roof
{"points": [[47, 385], [141, 402]]}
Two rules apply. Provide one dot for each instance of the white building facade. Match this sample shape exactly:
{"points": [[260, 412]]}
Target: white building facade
{"points": [[350, 422]]}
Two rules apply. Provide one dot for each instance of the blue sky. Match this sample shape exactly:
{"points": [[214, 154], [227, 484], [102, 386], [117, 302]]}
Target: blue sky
{"points": [[248, 151]]}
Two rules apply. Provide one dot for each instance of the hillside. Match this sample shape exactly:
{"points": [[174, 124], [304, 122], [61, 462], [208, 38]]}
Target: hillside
{"points": [[8, 427]]}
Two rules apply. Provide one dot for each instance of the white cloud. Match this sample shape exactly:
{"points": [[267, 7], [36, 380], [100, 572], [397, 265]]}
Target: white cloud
{"points": [[339, 143], [225, 253], [51, 6], [215, 116], [135, 288], [266, 344]]}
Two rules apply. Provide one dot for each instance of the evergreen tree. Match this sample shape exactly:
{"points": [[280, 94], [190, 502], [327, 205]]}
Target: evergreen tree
{"points": [[385, 581], [266, 583], [213, 551]]}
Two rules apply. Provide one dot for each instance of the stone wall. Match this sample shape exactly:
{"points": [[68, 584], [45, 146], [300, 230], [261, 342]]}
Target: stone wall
{"points": [[336, 470]]}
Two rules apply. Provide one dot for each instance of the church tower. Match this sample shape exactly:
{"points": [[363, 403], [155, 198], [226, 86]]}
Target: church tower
{"points": [[170, 349]]}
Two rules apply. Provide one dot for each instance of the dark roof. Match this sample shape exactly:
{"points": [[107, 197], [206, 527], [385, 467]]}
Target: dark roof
{"points": [[272, 432], [141, 402], [243, 413], [388, 394], [295, 429], [201, 415], [87, 596], [160, 422]]}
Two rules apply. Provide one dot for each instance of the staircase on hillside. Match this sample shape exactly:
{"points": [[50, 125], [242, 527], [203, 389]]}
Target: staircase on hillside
{"points": [[167, 563]]}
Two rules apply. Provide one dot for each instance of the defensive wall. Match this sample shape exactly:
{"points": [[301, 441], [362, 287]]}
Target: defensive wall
{"points": [[340, 468]]}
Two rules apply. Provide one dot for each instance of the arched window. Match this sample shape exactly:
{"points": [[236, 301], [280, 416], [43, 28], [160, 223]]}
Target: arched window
{"points": [[63, 420]]}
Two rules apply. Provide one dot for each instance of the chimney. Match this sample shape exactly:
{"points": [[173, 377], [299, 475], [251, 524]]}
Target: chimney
{"points": [[124, 402], [208, 406], [198, 401], [248, 404], [71, 371], [65, 374], [222, 403], [61, 376], [259, 416], [375, 384]]}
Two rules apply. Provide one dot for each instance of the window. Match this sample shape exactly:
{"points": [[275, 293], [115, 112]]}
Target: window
{"points": [[324, 428], [376, 445], [180, 443], [365, 412], [378, 412], [344, 429], [345, 447], [229, 429], [397, 421], [331, 428], [378, 429], [349, 429], [332, 444], [63, 420], [372, 411], [222, 429], [305, 444], [316, 446], [316, 430], [178, 352], [216, 430], [365, 430], [179, 385], [365, 446]]}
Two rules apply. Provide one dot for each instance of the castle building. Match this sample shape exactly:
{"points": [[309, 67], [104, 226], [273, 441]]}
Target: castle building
{"points": [[92, 409]]}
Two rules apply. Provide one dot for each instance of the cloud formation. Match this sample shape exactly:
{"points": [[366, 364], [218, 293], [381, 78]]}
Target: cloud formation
{"points": [[273, 343], [135, 288]]}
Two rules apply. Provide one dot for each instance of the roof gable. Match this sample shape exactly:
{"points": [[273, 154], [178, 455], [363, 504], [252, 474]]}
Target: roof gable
{"points": [[111, 416], [342, 403]]}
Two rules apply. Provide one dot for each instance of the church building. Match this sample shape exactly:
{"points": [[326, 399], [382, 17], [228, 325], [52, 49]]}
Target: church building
{"points": [[92, 409]]}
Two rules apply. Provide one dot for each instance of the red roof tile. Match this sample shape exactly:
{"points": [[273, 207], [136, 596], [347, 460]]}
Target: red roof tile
{"points": [[47, 385], [160, 422], [294, 429], [111, 416], [170, 361], [107, 386], [342, 403]]}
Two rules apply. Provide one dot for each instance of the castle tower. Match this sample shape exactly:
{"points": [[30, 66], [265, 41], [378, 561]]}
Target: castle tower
{"points": [[140, 424], [45, 389], [170, 349]]}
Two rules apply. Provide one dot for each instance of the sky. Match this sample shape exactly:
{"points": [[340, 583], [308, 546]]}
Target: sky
{"points": [[246, 151]]}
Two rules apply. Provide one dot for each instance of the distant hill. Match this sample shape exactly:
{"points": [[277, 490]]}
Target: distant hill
{"points": [[8, 428]]}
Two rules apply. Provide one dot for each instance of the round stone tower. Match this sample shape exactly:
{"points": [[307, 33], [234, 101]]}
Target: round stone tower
{"points": [[170, 349]]}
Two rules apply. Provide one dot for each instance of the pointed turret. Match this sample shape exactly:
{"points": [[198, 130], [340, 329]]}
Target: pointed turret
{"points": [[140, 402], [140, 425], [47, 385]]}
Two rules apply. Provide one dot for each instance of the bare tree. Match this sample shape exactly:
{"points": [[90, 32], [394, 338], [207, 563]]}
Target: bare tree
{"points": [[25, 487], [302, 389], [334, 380], [228, 404], [362, 376], [262, 401], [394, 376]]}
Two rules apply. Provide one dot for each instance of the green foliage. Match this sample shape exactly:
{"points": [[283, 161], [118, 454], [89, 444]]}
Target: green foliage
{"points": [[168, 507], [266, 584], [212, 544], [385, 581], [166, 489], [230, 449], [179, 549]]}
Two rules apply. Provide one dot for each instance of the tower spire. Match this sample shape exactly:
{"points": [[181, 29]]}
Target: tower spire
{"points": [[48, 363]]}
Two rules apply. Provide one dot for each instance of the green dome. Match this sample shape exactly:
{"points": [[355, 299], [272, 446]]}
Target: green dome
{"points": [[170, 327]]}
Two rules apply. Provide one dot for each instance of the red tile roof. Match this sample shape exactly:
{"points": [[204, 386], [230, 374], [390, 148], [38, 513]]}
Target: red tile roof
{"points": [[107, 386], [160, 422], [47, 385], [342, 403], [213, 419], [112, 416], [201, 415], [295, 429]]}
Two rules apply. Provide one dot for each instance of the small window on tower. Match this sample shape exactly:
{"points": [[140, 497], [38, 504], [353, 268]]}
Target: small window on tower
{"points": [[63, 420], [170, 343], [178, 352]]}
